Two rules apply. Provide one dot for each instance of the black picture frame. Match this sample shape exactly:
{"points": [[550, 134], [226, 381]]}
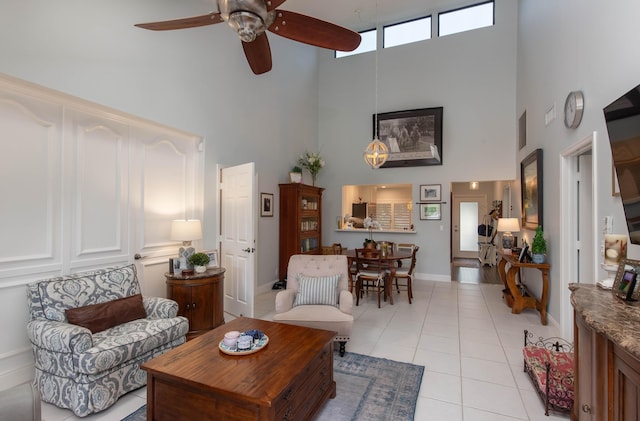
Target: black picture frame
{"points": [[430, 192], [430, 211], [414, 137], [266, 204], [531, 182]]}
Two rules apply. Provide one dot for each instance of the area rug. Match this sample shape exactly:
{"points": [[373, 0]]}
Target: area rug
{"points": [[367, 388]]}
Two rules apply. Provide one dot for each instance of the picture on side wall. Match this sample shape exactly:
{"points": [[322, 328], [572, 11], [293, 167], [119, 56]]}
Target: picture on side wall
{"points": [[430, 211], [531, 188], [266, 204], [414, 137]]}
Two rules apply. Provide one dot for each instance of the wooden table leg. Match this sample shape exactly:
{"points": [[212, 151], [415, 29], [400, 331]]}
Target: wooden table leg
{"points": [[515, 291], [542, 304], [388, 282]]}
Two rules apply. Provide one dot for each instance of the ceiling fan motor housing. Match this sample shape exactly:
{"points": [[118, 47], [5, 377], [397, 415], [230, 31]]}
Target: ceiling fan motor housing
{"points": [[249, 18]]}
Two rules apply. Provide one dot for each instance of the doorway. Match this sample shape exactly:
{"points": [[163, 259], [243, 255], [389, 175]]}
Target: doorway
{"points": [[468, 211]]}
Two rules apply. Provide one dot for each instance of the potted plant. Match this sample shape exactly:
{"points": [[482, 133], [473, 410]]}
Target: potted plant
{"points": [[199, 262], [538, 246], [295, 175]]}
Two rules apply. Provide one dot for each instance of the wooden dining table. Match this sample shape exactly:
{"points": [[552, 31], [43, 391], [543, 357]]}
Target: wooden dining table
{"points": [[389, 259]]}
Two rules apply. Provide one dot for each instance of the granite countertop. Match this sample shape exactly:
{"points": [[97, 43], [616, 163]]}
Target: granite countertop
{"points": [[608, 315]]}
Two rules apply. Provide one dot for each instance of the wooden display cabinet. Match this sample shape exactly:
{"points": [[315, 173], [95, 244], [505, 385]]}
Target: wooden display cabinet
{"points": [[300, 222], [200, 299]]}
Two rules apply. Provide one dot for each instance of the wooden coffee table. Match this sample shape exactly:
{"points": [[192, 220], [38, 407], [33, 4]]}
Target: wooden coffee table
{"points": [[289, 379]]}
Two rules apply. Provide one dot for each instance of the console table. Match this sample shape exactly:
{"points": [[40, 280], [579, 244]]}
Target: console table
{"points": [[200, 299], [517, 296]]}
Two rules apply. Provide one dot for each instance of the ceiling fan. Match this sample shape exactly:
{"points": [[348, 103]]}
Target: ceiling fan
{"points": [[251, 18]]}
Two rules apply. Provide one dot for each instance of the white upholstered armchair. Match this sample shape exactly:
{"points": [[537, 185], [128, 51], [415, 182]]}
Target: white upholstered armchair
{"points": [[318, 295]]}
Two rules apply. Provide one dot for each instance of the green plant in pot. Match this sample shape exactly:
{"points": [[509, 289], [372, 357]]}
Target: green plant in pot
{"points": [[199, 262], [295, 175], [538, 246]]}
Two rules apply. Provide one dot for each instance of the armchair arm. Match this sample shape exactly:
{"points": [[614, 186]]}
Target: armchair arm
{"points": [[345, 302], [160, 308], [284, 300], [59, 336]]}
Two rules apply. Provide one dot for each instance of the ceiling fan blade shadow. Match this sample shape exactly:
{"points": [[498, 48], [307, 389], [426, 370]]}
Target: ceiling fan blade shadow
{"points": [[314, 31], [273, 4], [183, 23], [258, 54]]}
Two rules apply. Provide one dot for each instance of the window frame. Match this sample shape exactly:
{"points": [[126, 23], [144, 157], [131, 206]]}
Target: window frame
{"points": [[384, 27], [446, 12]]}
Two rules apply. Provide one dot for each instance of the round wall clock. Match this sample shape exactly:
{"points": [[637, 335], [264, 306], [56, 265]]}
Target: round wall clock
{"points": [[573, 108]]}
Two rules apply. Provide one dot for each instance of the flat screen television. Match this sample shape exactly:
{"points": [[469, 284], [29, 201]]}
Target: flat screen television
{"points": [[623, 125]]}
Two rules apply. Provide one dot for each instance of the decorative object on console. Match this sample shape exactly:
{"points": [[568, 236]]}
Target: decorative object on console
{"points": [[199, 262], [295, 175], [507, 226], [186, 230], [531, 188], [615, 248], [538, 246], [625, 283], [313, 162]]}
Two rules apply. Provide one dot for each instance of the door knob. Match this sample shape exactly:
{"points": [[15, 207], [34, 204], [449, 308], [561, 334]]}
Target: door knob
{"points": [[249, 250]]}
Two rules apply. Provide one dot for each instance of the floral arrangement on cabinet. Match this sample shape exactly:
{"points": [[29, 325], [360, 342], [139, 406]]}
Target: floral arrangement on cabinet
{"points": [[313, 162]]}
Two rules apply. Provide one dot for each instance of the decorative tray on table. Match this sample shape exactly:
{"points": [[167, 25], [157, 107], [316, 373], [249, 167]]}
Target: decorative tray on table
{"points": [[259, 342]]}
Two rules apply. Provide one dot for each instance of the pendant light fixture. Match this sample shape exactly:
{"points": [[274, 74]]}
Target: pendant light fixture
{"points": [[376, 153]]}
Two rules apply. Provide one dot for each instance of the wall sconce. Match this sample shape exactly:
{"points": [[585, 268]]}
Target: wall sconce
{"points": [[474, 185]]}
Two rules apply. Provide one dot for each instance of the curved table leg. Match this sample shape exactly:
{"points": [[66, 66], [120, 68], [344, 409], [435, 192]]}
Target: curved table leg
{"points": [[542, 304], [515, 291]]}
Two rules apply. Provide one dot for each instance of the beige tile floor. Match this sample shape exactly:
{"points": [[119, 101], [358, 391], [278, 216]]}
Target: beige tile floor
{"points": [[464, 335]]}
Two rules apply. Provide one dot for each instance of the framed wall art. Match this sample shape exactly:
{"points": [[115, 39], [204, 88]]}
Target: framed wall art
{"points": [[430, 211], [430, 192], [531, 188], [414, 137], [266, 204]]}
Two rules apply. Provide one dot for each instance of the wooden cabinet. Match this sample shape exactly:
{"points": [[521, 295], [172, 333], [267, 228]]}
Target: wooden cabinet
{"points": [[200, 299], [300, 222], [607, 356]]}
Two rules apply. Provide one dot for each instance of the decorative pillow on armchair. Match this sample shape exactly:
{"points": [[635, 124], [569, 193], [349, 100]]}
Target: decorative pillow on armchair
{"points": [[99, 317], [317, 290]]}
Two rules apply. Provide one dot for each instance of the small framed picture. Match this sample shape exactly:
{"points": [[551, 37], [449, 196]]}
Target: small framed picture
{"points": [[213, 258], [430, 193], [430, 211], [625, 285], [266, 204]]}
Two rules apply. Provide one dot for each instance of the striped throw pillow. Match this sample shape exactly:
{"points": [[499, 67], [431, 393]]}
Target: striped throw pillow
{"points": [[317, 290]]}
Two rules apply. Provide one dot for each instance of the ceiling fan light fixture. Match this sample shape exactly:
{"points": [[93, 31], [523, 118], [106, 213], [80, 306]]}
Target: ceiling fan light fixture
{"points": [[248, 25]]}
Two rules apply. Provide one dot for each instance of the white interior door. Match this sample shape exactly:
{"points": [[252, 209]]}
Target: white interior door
{"points": [[467, 213], [237, 232]]}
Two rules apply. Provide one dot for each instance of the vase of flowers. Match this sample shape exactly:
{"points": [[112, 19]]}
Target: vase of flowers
{"points": [[370, 224], [312, 162]]}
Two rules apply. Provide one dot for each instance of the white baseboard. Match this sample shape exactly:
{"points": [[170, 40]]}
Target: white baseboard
{"points": [[16, 367]]}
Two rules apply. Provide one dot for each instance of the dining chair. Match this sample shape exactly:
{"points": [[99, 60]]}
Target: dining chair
{"points": [[405, 272], [371, 272]]}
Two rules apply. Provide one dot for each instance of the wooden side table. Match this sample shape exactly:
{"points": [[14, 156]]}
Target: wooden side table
{"points": [[200, 299], [517, 299]]}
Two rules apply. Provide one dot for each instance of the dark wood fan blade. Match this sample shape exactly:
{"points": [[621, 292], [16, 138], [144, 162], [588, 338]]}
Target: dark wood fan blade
{"points": [[272, 4], [258, 53], [314, 31], [192, 22]]}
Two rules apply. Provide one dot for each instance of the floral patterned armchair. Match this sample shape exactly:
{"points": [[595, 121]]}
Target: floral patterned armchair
{"points": [[84, 371]]}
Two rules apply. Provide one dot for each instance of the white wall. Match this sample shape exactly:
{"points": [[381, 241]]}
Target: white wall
{"points": [[472, 75], [564, 46], [194, 79]]}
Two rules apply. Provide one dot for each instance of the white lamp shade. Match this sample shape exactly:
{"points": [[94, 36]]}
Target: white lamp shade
{"points": [[186, 230], [508, 225]]}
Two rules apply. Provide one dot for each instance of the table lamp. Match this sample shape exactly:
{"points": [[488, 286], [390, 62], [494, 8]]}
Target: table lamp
{"points": [[506, 226], [186, 230]]}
